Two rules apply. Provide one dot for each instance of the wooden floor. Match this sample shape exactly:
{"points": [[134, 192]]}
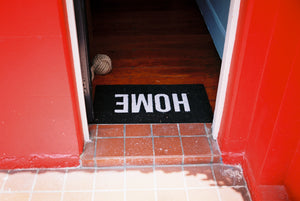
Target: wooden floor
{"points": [[154, 42]]}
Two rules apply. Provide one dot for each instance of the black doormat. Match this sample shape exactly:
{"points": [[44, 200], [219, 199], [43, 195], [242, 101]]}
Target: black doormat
{"points": [[151, 104]]}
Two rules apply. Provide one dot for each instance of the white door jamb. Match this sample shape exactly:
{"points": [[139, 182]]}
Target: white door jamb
{"points": [[77, 68], [225, 67]]}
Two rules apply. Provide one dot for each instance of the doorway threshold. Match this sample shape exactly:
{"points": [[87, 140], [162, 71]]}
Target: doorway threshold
{"points": [[121, 145]]}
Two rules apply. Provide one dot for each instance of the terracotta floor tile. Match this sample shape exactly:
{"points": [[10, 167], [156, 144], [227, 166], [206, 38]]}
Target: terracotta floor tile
{"points": [[194, 146], [110, 130], [110, 147], [139, 147], [209, 128], [197, 159], [139, 178], [87, 158], [167, 150], [196, 150], [168, 160], [203, 195], [169, 177], [93, 130], [109, 179], [215, 150], [234, 194], [228, 175], [14, 196], [78, 196], [109, 162], [46, 197], [109, 196], [110, 152], [139, 160], [20, 180], [140, 196], [168, 195], [138, 130], [49, 180], [217, 159], [79, 180], [192, 129], [139, 151], [165, 130], [200, 176]]}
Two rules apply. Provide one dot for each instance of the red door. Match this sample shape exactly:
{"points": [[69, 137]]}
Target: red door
{"points": [[261, 122]]}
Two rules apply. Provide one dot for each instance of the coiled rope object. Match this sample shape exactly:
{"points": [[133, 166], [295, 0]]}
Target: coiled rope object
{"points": [[101, 65]]}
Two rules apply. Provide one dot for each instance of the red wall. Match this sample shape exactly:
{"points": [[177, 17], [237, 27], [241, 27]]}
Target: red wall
{"points": [[293, 176], [261, 122], [39, 121]]}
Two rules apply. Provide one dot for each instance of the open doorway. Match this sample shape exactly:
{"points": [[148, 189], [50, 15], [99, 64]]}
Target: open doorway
{"points": [[163, 42], [160, 42]]}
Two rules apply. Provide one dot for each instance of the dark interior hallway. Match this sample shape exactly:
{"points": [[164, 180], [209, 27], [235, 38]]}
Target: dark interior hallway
{"points": [[154, 42]]}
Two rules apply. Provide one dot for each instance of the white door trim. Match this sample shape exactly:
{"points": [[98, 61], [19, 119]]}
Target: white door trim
{"points": [[77, 68], [225, 67]]}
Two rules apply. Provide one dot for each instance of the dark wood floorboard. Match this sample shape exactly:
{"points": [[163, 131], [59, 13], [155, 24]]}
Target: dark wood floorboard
{"points": [[154, 42]]}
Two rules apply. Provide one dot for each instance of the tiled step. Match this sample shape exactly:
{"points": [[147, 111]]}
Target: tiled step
{"points": [[150, 144], [213, 182]]}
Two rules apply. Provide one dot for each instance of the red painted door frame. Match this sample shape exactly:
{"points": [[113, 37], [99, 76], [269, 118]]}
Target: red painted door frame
{"points": [[40, 124], [260, 125]]}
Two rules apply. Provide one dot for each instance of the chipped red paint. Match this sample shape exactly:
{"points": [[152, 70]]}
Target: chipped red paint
{"points": [[260, 127], [39, 120]]}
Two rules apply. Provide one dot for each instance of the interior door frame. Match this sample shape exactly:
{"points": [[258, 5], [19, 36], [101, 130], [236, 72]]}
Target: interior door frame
{"points": [[82, 35], [225, 66], [77, 68], [223, 80]]}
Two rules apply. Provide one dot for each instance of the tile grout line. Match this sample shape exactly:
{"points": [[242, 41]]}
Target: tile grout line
{"points": [[118, 124], [33, 184], [155, 184], [218, 152], [115, 167], [206, 129], [121, 190], [162, 136], [95, 151], [125, 185], [211, 151], [124, 143], [185, 184], [125, 170], [243, 177], [154, 173], [210, 145], [5, 179], [246, 184], [182, 160], [145, 166], [153, 150], [208, 134], [248, 192], [64, 185], [94, 185], [216, 183]]}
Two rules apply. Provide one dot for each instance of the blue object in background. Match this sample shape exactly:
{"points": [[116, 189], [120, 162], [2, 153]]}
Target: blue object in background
{"points": [[215, 14]]}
